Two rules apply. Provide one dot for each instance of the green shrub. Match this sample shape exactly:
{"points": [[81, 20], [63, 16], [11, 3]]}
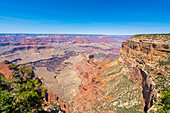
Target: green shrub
{"points": [[163, 104], [20, 94]]}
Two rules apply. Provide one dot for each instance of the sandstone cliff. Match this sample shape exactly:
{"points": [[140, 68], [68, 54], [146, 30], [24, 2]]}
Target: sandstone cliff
{"points": [[141, 57]]}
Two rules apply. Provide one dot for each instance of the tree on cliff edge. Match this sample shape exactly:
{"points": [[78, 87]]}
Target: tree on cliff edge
{"points": [[20, 94]]}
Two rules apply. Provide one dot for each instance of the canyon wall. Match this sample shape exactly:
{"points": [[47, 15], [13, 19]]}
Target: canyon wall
{"points": [[104, 88], [140, 57]]}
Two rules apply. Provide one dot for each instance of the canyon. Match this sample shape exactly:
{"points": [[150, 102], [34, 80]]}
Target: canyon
{"points": [[92, 73]]}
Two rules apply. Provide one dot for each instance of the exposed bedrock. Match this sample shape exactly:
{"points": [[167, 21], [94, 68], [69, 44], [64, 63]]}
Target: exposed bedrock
{"points": [[139, 53], [138, 75]]}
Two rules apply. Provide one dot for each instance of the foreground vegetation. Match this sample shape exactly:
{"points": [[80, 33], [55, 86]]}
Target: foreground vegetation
{"points": [[163, 103], [21, 93]]}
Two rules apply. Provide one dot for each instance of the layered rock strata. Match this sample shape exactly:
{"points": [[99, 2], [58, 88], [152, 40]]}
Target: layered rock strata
{"points": [[141, 56]]}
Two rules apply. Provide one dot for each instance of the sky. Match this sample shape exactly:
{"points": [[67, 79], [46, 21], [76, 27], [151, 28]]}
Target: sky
{"points": [[110, 17]]}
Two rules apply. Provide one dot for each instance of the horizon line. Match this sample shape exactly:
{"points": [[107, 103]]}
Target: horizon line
{"points": [[77, 33], [62, 33]]}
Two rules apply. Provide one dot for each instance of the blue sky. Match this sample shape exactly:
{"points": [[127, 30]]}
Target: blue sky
{"points": [[85, 16]]}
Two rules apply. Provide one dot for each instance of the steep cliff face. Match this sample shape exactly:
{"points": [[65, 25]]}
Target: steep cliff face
{"points": [[141, 57]]}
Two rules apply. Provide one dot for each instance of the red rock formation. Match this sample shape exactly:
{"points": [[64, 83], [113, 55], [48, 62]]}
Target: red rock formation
{"points": [[51, 97], [90, 87], [5, 70], [79, 40]]}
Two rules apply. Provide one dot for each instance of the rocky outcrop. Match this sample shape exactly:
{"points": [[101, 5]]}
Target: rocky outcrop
{"points": [[5, 69], [50, 97], [137, 74], [140, 57]]}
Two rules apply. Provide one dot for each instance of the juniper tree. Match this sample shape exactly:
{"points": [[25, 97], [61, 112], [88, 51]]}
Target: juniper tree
{"points": [[21, 93]]}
